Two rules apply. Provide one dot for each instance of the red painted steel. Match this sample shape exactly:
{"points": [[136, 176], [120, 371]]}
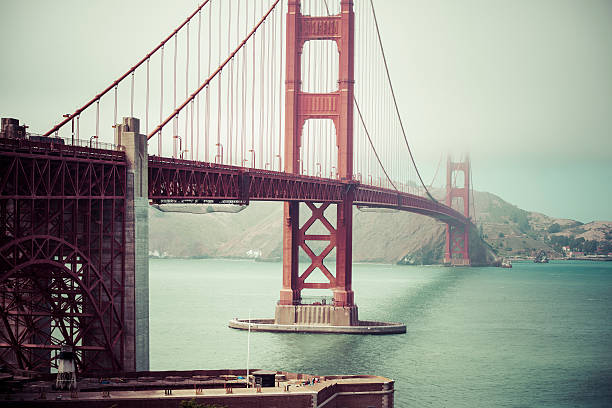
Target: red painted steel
{"points": [[62, 220], [176, 180], [62, 223], [457, 248], [63, 215], [300, 107]]}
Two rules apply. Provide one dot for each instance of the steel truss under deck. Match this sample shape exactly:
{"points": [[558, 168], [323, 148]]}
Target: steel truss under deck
{"points": [[62, 254]]}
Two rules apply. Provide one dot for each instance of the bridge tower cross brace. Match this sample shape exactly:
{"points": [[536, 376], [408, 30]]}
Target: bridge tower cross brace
{"points": [[299, 107], [457, 248]]}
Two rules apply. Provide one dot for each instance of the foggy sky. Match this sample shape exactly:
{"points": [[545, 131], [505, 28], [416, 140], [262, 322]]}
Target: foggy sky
{"points": [[524, 86]]}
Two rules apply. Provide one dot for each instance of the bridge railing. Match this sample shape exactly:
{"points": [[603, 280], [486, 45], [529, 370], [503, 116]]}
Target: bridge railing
{"points": [[63, 146], [317, 300]]}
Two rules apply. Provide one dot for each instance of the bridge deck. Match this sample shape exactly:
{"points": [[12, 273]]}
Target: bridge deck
{"points": [[176, 180]]}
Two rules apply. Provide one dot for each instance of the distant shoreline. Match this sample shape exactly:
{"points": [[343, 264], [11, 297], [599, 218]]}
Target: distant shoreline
{"points": [[276, 260], [582, 258]]}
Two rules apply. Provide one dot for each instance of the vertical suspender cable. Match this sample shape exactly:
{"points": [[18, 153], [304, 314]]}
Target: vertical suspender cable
{"points": [[253, 95], [273, 83], [197, 147], [191, 127], [182, 148], [174, 72], [280, 89], [261, 93], [262, 96], [236, 101], [242, 89], [271, 91], [98, 118], [115, 111], [187, 63], [321, 84], [132, 96], [190, 147], [369, 97], [230, 83], [207, 115], [356, 128], [175, 122], [147, 101], [161, 103], [269, 106], [218, 157]]}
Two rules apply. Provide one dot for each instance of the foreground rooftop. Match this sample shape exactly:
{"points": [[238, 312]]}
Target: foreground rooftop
{"points": [[226, 388]]}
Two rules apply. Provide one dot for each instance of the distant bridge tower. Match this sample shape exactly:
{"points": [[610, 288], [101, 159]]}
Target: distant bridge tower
{"points": [[299, 107], [457, 248]]}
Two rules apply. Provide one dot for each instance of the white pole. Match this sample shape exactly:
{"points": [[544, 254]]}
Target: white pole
{"points": [[248, 350]]}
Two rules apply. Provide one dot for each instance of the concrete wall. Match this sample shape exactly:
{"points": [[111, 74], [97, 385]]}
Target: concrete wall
{"points": [[322, 315], [137, 245]]}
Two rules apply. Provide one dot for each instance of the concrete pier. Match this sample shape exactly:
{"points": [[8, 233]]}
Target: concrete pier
{"points": [[324, 315], [128, 137], [361, 327]]}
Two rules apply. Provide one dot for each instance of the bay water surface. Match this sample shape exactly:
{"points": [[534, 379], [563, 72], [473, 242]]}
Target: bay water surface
{"points": [[536, 335]]}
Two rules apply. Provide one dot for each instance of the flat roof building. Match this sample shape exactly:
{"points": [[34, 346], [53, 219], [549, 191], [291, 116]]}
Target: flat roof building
{"points": [[225, 388]]}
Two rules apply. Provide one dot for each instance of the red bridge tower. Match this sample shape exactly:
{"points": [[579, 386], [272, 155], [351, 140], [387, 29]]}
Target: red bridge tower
{"points": [[299, 107], [457, 249]]}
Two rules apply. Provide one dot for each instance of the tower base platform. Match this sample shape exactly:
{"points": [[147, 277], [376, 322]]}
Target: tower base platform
{"points": [[317, 318], [362, 327]]}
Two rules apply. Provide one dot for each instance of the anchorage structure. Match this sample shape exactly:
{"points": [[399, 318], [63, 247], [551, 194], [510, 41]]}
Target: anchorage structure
{"points": [[73, 256]]}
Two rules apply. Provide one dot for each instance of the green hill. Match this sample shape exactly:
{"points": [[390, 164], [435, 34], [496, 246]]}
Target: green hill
{"points": [[389, 237]]}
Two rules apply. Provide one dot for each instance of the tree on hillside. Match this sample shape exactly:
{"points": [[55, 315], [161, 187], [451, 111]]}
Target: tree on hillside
{"points": [[554, 228], [605, 247], [578, 244], [559, 241], [590, 247], [520, 218]]}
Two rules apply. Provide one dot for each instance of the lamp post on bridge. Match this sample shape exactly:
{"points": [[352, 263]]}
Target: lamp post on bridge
{"points": [[219, 155], [252, 151]]}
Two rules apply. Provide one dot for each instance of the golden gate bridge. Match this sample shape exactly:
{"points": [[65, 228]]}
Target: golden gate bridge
{"points": [[246, 100]]}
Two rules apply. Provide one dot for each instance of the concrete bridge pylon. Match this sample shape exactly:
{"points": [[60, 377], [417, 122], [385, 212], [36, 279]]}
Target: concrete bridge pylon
{"points": [[134, 144]]}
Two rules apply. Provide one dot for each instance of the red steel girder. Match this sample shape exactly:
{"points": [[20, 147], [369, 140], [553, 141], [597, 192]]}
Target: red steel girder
{"points": [[178, 180], [62, 254]]}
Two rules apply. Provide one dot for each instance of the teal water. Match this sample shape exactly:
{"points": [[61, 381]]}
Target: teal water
{"points": [[537, 335]]}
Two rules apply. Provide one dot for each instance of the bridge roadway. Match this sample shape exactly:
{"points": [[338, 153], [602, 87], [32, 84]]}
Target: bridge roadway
{"points": [[176, 180]]}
